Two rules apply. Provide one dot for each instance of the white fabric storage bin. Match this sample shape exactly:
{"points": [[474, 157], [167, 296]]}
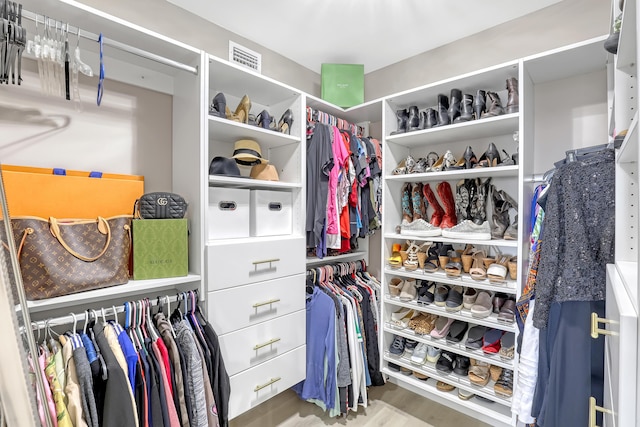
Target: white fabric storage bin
{"points": [[271, 213], [228, 213]]}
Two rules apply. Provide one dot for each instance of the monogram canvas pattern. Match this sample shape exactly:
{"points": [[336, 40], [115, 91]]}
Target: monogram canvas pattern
{"points": [[49, 270]]}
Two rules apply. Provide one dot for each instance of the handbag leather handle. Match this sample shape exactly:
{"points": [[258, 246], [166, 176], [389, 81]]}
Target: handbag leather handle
{"points": [[103, 227]]}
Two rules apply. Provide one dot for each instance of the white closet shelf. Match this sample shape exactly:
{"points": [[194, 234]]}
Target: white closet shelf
{"points": [[133, 287], [628, 152], [474, 129], [430, 370], [496, 242], [628, 271], [230, 181], [457, 348], [508, 287], [627, 43], [337, 258], [573, 60], [235, 81], [464, 315], [224, 130], [498, 171], [370, 111], [471, 407]]}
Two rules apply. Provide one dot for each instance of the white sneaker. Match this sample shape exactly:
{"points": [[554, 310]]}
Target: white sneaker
{"points": [[419, 227], [468, 230], [419, 353]]}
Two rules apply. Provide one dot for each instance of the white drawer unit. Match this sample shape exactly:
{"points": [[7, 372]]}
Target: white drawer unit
{"points": [[242, 306], [256, 385], [254, 345], [621, 341], [231, 263]]}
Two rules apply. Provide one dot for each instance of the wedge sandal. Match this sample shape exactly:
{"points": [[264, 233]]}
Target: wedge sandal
{"points": [[479, 373], [477, 270], [504, 385]]}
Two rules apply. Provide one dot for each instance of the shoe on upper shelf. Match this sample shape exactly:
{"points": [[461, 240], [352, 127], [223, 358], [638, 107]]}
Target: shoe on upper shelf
{"points": [[419, 227]]}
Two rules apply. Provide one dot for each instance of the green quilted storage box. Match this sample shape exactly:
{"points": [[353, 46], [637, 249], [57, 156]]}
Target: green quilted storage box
{"points": [[343, 84]]}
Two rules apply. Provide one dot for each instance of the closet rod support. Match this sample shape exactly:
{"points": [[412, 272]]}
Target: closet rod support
{"points": [[118, 45]]}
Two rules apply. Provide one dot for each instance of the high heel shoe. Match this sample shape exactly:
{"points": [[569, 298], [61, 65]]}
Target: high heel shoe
{"points": [[284, 125], [265, 120], [467, 161], [490, 158], [218, 106], [242, 111]]}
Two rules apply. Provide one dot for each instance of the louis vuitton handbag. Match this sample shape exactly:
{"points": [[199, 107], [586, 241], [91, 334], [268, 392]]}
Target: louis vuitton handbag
{"points": [[61, 257]]}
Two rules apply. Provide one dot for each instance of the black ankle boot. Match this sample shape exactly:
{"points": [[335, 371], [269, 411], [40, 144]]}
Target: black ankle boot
{"points": [[466, 109], [430, 118], [513, 100], [479, 104], [442, 114], [218, 106], [423, 120], [402, 116], [413, 121], [454, 106], [495, 106]]}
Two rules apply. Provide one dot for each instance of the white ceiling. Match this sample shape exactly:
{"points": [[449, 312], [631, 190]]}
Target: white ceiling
{"points": [[375, 33]]}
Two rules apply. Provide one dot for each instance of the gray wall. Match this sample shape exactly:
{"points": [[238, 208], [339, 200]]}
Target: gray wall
{"points": [[564, 23], [176, 23]]}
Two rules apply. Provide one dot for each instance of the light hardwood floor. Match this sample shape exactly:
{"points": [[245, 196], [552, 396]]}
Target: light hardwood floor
{"points": [[389, 406]]}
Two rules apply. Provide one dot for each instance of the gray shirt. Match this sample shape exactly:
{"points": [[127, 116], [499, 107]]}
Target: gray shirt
{"points": [[319, 165]]}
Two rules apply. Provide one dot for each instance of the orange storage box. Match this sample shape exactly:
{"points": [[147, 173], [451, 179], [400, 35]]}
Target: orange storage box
{"points": [[46, 192]]}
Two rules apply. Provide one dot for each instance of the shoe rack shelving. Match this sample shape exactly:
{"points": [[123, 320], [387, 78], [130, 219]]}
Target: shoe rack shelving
{"points": [[429, 369], [623, 297], [257, 282], [455, 137], [493, 242], [498, 413], [464, 315], [508, 286], [443, 344]]}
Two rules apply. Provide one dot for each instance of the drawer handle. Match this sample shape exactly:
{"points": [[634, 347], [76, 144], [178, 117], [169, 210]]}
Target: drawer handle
{"points": [[592, 411], [272, 301], [271, 381], [266, 261], [595, 331], [271, 341]]}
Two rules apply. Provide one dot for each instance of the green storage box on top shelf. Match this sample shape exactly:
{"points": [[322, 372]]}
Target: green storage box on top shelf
{"points": [[343, 84]]}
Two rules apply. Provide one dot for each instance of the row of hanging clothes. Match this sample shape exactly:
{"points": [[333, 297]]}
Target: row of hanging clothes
{"points": [[572, 238], [343, 359], [344, 185], [154, 368]]}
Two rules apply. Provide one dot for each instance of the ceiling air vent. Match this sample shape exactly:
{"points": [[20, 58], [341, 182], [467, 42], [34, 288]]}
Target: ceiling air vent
{"points": [[245, 57]]}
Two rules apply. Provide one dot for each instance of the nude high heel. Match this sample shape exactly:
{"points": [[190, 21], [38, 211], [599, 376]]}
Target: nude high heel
{"points": [[242, 111]]}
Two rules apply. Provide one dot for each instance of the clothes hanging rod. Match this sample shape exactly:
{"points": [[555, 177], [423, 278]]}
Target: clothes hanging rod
{"points": [[112, 43], [539, 177], [108, 311]]}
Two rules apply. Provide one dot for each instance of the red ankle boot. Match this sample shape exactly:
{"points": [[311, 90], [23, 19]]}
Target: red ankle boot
{"points": [[438, 212], [446, 195]]}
